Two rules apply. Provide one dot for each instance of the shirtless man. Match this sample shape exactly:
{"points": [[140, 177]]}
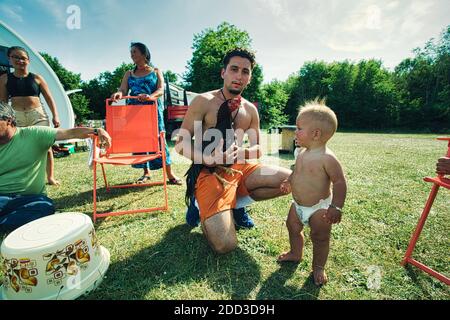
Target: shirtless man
{"points": [[254, 181]]}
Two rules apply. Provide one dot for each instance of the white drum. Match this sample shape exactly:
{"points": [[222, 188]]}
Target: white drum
{"points": [[56, 257]]}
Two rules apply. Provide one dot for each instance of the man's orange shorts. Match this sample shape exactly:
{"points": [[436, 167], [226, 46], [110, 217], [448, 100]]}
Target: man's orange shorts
{"points": [[213, 197]]}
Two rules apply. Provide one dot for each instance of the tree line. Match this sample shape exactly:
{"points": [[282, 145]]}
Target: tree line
{"points": [[365, 95]]}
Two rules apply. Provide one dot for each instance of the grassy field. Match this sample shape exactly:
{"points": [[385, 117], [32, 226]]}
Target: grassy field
{"points": [[157, 256]]}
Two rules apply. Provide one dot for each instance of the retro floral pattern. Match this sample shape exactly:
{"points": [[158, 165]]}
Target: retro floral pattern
{"points": [[66, 262], [20, 274]]}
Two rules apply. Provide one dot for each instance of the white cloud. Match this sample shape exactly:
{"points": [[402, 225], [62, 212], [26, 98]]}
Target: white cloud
{"points": [[373, 18], [56, 9], [413, 21], [12, 11], [284, 16]]}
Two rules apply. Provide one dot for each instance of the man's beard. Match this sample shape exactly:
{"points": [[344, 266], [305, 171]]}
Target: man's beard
{"points": [[235, 91]]}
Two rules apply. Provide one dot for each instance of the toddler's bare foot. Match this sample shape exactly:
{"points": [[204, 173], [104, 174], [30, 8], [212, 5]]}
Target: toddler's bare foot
{"points": [[53, 182], [289, 257], [320, 277]]}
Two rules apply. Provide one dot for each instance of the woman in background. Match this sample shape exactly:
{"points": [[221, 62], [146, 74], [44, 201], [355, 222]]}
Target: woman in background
{"points": [[146, 83], [24, 89]]}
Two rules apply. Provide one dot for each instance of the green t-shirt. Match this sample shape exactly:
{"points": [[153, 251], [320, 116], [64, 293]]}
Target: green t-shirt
{"points": [[23, 160]]}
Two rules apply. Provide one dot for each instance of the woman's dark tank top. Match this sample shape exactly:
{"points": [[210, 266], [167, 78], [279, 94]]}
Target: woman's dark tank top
{"points": [[23, 87]]}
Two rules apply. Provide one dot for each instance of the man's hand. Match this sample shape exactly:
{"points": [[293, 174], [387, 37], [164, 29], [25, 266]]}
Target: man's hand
{"points": [[219, 157], [104, 138], [332, 215], [443, 166], [285, 187]]}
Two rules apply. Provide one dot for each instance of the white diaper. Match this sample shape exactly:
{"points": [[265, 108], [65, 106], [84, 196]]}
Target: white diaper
{"points": [[304, 213]]}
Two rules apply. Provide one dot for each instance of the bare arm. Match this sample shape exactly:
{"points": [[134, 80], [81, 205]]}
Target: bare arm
{"points": [[49, 99], [253, 133], [82, 133], [192, 120], [123, 90], [160, 86], [3, 91], [336, 174]]}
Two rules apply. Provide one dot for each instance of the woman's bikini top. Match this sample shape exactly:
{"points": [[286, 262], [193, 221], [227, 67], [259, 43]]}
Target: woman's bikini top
{"points": [[23, 87]]}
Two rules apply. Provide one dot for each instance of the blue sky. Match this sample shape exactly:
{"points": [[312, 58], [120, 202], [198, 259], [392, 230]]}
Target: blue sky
{"points": [[285, 33]]}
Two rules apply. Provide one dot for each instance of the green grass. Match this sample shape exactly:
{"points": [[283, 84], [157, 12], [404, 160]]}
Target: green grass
{"points": [[157, 256]]}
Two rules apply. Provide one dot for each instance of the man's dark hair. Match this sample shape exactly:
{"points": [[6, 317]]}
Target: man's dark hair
{"points": [[239, 52]]}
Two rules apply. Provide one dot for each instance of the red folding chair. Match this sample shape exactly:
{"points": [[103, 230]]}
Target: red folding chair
{"points": [[439, 181], [133, 129]]}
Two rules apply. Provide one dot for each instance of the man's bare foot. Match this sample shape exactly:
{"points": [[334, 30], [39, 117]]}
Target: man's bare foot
{"points": [[320, 277], [53, 182], [289, 257]]}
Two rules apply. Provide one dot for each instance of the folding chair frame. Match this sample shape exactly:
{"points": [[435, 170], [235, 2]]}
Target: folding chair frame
{"points": [[438, 182], [102, 160]]}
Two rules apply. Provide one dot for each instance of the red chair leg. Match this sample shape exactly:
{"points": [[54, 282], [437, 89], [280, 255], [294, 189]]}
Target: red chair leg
{"points": [[421, 223], [412, 243], [104, 177], [163, 151]]}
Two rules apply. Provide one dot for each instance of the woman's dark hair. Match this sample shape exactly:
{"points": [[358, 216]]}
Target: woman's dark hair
{"points": [[142, 49], [11, 49]]}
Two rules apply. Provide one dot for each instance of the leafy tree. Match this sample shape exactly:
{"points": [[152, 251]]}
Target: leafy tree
{"points": [[273, 98], [101, 87], [70, 81], [340, 84], [82, 103], [210, 46], [170, 76], [307, 84], [423, 84]]}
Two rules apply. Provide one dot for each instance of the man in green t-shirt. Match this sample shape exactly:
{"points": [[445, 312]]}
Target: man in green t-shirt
{"points": [[23, 158]]}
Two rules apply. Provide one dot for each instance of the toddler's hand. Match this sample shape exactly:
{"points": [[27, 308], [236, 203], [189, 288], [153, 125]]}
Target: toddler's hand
{"points": [[285, 187], [332, 216]]}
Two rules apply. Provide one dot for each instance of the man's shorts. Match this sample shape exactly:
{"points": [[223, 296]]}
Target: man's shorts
{"points": [[33, 117], [213, 197]]}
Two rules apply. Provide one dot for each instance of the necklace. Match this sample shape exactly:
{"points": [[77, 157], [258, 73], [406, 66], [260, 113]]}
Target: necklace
{"points": [[231, 107]]}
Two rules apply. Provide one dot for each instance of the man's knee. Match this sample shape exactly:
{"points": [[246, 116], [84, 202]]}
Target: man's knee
{"points": [[224, 246], [41, 206]]}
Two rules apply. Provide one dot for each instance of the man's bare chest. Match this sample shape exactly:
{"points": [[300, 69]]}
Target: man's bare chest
{"points": [[240, 119]]}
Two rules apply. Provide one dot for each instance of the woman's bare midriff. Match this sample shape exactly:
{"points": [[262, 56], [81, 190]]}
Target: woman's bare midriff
{"points": [[25, 103]]}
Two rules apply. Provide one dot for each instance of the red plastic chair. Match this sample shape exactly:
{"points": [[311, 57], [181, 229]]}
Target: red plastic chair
{"points": [[439, 181], [133, 129]]}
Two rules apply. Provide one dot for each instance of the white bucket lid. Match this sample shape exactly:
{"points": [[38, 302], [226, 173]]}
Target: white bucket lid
{"points": [[45, 232], [30, 251]]}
